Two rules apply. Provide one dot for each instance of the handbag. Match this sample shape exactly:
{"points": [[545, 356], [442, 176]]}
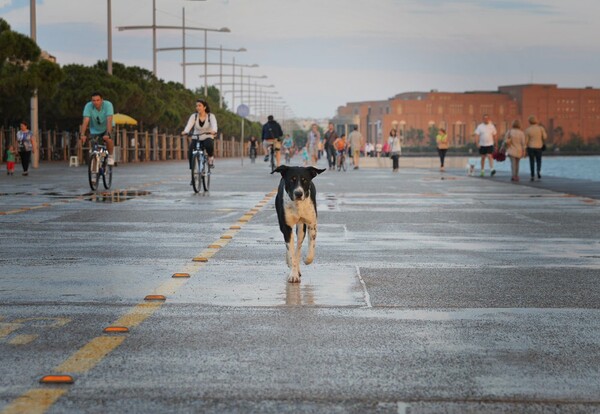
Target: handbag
{"points": [[499, 154]]}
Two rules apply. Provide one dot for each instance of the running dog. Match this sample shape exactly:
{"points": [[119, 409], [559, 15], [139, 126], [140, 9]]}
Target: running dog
{"points": [[296, 205]]}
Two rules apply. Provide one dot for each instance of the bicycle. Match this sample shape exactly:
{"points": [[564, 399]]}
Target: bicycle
{"points": [[341, 160], [252, 155], [200, 168], [272, 157], [288, 155], [98, 167]]}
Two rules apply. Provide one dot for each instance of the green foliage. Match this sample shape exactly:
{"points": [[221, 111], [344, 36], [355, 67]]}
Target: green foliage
{"points": [[22, 71], [64, 92], [432, 135]]}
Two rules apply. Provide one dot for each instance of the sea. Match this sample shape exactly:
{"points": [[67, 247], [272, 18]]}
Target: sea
{"points": [[576, 167]]}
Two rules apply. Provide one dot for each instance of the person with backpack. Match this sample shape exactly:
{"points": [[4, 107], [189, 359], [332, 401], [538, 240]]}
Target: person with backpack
{"points": [[271, 134]]}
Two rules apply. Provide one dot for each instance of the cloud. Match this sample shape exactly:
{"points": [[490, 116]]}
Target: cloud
{"points": [[321, 54]]}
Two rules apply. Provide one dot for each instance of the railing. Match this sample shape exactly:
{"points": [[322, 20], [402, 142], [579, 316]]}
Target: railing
{"points": [[130, 146]]}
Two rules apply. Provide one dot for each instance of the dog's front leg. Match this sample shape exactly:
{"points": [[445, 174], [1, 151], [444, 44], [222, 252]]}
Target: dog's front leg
{"points": [[294, 276], [288, 237], [312, 240]]}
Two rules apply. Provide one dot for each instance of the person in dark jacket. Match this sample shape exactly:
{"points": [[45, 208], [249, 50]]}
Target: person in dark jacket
{"points": [[272, 134]]}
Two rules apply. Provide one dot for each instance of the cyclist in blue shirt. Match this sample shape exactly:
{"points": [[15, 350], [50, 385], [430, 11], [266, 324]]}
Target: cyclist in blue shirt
{"points": [[98, 115], [288, 144]]}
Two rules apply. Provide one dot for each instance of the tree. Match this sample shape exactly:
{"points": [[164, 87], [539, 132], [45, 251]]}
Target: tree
{"points": [[22, 72], [432, 133]]}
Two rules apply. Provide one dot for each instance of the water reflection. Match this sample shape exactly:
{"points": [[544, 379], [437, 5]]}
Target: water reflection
{"points": [[297, 294], [115, 196]]}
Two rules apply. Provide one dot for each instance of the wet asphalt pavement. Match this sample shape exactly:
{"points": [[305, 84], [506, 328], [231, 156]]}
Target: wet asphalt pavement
{"points": [[429, 293]]}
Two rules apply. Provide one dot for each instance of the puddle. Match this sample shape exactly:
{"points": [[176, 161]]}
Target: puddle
{"points": [[256, 285], [115, 196]]}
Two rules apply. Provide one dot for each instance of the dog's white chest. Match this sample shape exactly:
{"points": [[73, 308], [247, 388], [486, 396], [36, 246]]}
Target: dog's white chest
{"points": [[300, 211]]}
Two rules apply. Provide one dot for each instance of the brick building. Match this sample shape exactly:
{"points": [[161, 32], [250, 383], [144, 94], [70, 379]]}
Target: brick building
{"points": [[563, 111]]}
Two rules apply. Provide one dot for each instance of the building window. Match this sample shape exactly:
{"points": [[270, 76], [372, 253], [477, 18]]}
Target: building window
{"points": [[456, 109]]}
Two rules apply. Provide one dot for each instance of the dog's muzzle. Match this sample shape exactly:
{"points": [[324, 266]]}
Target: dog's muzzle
{"points": [[298, 194]]}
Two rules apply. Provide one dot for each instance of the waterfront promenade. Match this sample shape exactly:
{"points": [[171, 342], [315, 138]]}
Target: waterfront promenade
{"points": [[429, 293]]}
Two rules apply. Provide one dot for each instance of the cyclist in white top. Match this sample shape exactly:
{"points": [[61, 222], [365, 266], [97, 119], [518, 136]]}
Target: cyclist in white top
{"points": [[204, 125]]}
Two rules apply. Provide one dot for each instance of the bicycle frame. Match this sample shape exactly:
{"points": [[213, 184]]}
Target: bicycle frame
{"points": [[200, 167], [98, 167]]}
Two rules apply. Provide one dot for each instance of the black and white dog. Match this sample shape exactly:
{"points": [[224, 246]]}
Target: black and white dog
{"points": [[296, 205]]}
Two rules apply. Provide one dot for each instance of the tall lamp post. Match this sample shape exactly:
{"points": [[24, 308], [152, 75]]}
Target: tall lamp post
{"points": [[220, 64], [34, 98], [183, 28], [221, 49], [109, 31]]}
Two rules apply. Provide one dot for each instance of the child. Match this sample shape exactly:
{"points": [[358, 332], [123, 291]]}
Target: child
{"points": [[305, 156], [340, 146], [10, 160]]}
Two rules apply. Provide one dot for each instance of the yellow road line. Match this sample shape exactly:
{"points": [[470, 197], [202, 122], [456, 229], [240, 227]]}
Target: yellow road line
{"points": [[22, 339], [91, 353], [34, 401], [38, 401], [7, 328]]}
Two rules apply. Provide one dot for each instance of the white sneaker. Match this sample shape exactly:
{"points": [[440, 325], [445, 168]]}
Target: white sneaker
{"points": [[110, 160]]}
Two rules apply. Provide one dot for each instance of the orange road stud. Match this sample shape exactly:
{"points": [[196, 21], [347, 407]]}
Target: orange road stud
{"points": [[226, 236], [200, 259], [235, 227], [116, 329], [214, 246], [155, 297], [57, 379], [181, 275]]}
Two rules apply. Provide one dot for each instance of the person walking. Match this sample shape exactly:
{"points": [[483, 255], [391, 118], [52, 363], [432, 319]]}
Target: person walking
{"points": [[442, 143], [355, 139], [98, 115], [535, 140], [26, 145], [272, 135], [330, 151], [313, 141], [395, 143], [514, 144], [487, 139]]}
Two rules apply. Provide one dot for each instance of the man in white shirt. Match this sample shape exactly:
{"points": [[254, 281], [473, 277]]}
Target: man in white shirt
{"points": [[487, 139]]}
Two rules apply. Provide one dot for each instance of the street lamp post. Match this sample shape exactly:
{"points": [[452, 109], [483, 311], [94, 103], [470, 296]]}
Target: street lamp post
{"points": [[183, 28], [221, 65], [109, 31], [34, 98]]}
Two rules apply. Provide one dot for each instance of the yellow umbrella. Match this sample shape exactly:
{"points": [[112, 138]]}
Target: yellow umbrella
{"points": [[122, 119]]}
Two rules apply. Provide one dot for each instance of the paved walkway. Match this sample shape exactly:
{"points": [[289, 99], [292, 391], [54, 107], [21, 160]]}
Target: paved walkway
{"points": [[429, 293]]}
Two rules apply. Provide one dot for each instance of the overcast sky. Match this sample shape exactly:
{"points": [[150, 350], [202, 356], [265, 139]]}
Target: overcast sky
{"points": [[321, 54]]}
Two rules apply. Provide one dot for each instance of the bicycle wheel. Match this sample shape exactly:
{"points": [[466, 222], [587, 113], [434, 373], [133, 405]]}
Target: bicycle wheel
{"points": [[107, 176], [272, 161], [205, 175], [93, 167], [196, 173]]}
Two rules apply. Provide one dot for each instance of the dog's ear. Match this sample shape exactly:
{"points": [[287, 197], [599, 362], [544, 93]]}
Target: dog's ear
{"points": [[315, 171], [281, 169]]}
